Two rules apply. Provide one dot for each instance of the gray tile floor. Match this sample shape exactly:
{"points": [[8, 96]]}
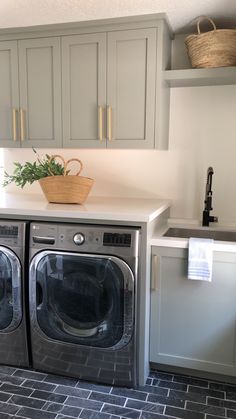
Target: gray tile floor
{"points": [[30, 394]]}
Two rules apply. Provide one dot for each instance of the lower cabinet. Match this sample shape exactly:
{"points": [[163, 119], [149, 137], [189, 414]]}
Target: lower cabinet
{"points": [[193, 323]]}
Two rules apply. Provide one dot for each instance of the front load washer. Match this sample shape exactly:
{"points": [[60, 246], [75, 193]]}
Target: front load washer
{"points": [[13, 333], [83, 289]]}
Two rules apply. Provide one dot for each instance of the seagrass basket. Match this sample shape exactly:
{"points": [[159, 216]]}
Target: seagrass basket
{"points": [[66, 189], [215, 48]]}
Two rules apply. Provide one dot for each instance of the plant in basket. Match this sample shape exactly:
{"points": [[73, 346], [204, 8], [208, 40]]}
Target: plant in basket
{"points": [[58, 185]]}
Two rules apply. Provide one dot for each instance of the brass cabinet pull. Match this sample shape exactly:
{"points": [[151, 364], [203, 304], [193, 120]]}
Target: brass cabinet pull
{"points": [[155, 272], [22, 125], [109, 123], [100, 123], [14, 124]]}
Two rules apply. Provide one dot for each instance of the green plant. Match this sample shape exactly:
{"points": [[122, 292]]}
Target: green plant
{"points": [[30, 172]]}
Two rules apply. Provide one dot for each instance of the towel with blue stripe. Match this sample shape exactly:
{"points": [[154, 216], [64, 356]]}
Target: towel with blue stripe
{"points": [[200, 259]]}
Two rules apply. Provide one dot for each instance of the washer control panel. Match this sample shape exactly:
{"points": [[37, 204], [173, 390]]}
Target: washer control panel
{"points": [[12, 233], [90, 238], [117, 239]]}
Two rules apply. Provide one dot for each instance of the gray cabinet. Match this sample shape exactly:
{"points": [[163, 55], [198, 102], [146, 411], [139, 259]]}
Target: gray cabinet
{"points": [[131, 68], [193, 323], [83, 89], [40, 92], [92, 85], [108, 89], [30, 108], [9, 97]]}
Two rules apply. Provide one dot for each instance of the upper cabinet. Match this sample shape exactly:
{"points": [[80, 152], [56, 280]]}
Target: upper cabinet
{"points": [[9, 97], [131, 72], [95, 84], [40, 92], [83, 90], [108, 89], [92, 85], [30, 100]]}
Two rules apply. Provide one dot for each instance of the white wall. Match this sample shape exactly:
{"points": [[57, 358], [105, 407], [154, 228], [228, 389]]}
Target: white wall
{"points": [[202, 133]]}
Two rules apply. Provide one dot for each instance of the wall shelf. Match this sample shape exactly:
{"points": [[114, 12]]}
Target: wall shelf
{"points": [[200, 77]]}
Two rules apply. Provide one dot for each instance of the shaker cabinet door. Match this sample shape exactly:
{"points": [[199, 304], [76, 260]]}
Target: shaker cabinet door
{"points": [[131, 88], [9, 97], [84, 90], [193, 323], [40, 92]]}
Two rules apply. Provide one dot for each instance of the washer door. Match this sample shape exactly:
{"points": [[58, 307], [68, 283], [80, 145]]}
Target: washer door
{"points": [[10, 291], [82, 298]]}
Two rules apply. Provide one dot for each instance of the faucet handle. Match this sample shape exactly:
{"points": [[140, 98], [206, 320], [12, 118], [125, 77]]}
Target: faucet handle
{"points": [[213, 219]]}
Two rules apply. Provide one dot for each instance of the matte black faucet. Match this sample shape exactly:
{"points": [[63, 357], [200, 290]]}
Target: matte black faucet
{"points": [[206, 217]]}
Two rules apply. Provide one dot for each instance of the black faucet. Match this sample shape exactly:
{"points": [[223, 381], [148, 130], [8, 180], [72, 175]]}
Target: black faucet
{"points": [[206, 217]]}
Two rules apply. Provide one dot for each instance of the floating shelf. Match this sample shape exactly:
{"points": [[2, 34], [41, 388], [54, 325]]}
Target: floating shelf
{"points": [[200, 77]]}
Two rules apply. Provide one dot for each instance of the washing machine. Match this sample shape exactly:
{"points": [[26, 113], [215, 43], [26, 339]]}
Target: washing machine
{"points": [[13, 331], [82, 297]]}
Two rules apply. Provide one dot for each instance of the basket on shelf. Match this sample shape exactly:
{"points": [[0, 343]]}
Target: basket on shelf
{"points": [[66, 189], [215, 48]]}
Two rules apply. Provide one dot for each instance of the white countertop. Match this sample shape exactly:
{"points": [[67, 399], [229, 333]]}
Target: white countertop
{"points": [[99, 208]]}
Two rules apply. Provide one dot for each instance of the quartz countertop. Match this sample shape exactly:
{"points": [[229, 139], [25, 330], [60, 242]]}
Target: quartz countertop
{"points": [[96, 208]]}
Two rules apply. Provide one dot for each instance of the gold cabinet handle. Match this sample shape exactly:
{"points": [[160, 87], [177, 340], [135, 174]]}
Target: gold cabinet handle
{"points": [[109, 123], [100, 123], [155, 272], [14, 124], [22, 124]]}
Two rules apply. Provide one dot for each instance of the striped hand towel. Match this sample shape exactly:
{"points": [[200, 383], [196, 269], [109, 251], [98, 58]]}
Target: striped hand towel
{"points": [[200, 259]]}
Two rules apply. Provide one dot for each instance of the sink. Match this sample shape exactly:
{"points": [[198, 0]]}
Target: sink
{"points": [[220, 235]]}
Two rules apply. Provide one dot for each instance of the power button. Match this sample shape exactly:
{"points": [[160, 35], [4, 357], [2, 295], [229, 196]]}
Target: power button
{"points": [[79, 239]]}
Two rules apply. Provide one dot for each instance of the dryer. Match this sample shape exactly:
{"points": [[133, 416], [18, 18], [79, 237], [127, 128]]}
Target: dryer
{"points": [[83, 290], [13, 332]]}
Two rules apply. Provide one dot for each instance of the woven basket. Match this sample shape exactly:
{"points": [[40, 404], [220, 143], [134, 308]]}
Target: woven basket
{"points": [[216, 48], [67, 189]]}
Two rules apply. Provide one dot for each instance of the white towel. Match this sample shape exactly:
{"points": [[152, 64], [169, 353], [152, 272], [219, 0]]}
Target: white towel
{"points": [[200, 259]]}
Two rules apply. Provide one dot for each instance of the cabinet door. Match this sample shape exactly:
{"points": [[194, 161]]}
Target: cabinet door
{"points": [[9, 97], [131, 88], [84, 90], [40, 92], [193, 323]]}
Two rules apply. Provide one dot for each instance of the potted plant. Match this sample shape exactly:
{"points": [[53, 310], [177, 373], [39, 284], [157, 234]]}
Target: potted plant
{"points": [[54, 177]]}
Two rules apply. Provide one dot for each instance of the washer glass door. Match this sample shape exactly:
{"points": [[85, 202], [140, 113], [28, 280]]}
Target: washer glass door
{"points": [[82, 298], [10, 291]]}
